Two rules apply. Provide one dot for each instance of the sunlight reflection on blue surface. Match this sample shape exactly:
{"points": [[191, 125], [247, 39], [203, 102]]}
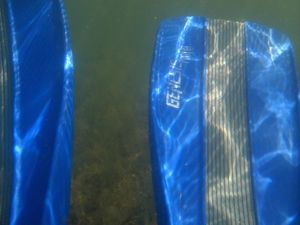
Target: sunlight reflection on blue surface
{"points": [[274, 125], [177, 124], [175, 130], [42, 112]]}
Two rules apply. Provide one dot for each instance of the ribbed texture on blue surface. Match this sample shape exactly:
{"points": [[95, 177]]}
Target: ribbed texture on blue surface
{"points": [[229, 194], [5, 120]]}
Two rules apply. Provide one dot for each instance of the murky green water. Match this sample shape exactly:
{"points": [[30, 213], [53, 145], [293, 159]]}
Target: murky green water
{"points": [[113, 44]]}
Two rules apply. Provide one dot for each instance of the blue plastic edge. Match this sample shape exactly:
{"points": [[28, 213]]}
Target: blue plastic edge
{"points": [[273, 110], [43, 111], [177, 121]]}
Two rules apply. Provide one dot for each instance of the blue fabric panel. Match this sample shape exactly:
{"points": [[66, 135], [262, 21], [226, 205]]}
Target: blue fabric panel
{"points": [[273, 107], [43, 111], [176, 111]]}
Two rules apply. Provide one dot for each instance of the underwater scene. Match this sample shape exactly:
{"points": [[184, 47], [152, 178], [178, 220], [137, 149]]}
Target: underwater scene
{"points": [[113, 44]]}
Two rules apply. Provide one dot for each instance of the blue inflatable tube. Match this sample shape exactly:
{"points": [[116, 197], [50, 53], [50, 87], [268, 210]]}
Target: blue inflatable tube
{"points": [[37, 113], [224, 124]]}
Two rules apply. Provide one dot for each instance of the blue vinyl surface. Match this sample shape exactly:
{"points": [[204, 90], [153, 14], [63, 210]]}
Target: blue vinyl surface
{"points": [[273, 107], [43, 111], [177, 121]]}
